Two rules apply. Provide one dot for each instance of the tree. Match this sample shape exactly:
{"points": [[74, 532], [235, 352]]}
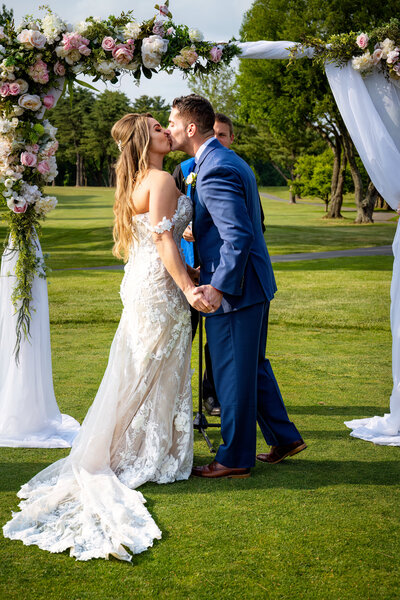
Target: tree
{"points": [[71, 116], [108, 108], [299, 98], [155, 105], [219, 88]]}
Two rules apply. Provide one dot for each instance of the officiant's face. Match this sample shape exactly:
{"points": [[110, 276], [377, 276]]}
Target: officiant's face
{"points": [[177, 129]]}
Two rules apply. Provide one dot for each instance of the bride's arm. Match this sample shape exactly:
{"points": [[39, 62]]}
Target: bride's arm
{"points": [[162, 207]]}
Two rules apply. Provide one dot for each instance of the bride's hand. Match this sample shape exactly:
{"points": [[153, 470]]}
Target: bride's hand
{"points": [[194, 274], [196, 298]]}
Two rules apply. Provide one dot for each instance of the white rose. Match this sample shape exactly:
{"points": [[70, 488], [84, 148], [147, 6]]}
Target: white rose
{"points": [[73, 56], [23, 85], [132, 30], [8, 183], [32, 102], [105, 67], [18, 111], [151, 61], [195, 35]]}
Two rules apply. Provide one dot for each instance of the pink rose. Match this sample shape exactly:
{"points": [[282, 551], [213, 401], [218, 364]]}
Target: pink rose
{"points": [[122, 54], [158, 28], [28, 159], [43, 167], [20, 208], [377, 55], [84, 50], [362, 40], [164, 10], [108, 44], [216, 54], [33, 148], [53, 148], [14, 89], [59, 69], [4, 90], [190, 56], [48, 101]]}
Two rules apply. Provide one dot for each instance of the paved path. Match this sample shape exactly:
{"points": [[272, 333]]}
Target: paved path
{"points": [[376, 251]]}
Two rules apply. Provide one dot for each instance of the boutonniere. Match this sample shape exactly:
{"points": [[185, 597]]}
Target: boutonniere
{"points": [[191, 179]]}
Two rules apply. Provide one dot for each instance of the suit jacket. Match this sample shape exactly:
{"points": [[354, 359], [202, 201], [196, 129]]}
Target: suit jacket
{"points": [[227, 227]]}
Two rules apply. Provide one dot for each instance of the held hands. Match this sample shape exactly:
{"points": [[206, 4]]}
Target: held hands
{"points": [[195, 297], [212, 296]]}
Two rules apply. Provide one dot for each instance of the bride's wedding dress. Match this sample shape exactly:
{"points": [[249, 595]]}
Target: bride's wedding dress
{"points": [[138, 429]]}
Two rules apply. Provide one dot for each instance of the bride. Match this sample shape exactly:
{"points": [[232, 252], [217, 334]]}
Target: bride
{"points": [[139, 427]]}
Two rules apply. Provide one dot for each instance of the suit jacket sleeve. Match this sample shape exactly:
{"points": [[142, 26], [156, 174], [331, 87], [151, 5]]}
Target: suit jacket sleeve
{"points": [[179, 179], [223, 194]]}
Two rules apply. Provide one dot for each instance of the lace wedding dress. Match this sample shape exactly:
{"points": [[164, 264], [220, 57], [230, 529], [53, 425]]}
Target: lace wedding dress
{"points": [[138, 429]]}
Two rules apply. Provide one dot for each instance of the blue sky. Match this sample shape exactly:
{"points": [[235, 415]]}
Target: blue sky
{"points": [[217, 19]]}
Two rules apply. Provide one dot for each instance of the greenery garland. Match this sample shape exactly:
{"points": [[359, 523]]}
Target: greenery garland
{"points": [[377, 49], [39, 59]]}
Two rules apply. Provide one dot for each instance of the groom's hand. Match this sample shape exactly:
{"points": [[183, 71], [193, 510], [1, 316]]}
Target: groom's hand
{"points": [[212, 295]]}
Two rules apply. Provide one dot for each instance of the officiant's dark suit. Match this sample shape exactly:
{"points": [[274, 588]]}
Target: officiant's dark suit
{"points": [[234, 259]]}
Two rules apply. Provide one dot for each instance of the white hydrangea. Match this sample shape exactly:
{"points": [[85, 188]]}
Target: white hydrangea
{"points": [[195, 35], [132, 31], [8, 125], [30, 193], [52, 27], [49, 129], [387, 46], [363, 63], [81, 27], [45, 205]]}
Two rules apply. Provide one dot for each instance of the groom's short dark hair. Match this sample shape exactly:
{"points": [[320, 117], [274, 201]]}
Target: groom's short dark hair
{"points": [[196, 109]]}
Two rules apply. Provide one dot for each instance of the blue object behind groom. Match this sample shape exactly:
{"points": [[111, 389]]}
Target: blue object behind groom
{"points": [[234, 260]]}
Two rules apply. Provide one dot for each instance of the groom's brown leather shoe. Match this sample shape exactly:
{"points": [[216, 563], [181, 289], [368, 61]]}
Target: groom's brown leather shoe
{"points": [[215, 470], [278, 453]]}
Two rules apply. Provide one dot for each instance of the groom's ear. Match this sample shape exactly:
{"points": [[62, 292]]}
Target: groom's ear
{"points": [[191, 129]]}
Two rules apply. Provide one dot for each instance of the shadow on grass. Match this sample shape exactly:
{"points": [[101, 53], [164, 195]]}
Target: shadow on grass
{"points": [[355, 412]]}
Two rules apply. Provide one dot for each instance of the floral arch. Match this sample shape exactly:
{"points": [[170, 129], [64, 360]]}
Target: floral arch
{"points": [[40, 60]]}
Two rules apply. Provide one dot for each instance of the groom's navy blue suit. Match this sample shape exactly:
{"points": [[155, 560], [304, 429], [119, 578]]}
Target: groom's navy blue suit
{"points": [[234, 259]]}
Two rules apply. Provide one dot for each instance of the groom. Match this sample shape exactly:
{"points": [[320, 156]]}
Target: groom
{"points": [[237, 279]]}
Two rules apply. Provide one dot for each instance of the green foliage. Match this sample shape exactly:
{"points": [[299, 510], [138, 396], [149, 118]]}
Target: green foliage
{"points": [[219, 88], [313, 175], [155, 105], [6, 16]]}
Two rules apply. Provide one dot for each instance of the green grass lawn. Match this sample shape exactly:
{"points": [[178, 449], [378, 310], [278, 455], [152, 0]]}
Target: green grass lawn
{"points": [[323, 525]]}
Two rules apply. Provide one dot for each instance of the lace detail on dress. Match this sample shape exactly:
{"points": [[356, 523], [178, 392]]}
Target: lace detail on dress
{"points": [[164, 225], [138, 429]]}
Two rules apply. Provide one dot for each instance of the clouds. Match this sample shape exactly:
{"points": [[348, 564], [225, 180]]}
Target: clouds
{"points": [[219, 20]]}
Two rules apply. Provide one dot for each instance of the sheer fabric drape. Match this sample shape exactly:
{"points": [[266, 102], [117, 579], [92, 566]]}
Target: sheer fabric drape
{"points": [[29, 415], [370, 108]]}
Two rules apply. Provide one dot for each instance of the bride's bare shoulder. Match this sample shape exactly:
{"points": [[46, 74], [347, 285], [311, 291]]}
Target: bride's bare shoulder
{"points": [[162, 181]]}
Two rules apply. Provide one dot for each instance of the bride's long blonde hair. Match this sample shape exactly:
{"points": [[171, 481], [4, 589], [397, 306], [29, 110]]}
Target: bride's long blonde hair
{"points": [[132, 136]]}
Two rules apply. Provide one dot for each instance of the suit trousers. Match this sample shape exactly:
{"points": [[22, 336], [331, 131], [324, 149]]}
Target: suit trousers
{"points": [[246, 385]]}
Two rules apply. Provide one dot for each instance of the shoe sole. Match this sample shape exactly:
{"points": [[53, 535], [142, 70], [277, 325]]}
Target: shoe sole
{"points": [[291, 453]]}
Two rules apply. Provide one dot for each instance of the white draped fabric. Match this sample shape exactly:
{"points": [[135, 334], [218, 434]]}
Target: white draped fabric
{"points": [[29, 415], [370, 108]]}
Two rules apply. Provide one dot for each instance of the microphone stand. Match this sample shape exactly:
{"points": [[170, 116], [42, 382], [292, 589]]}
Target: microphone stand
{"points": [[200, 421]]}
